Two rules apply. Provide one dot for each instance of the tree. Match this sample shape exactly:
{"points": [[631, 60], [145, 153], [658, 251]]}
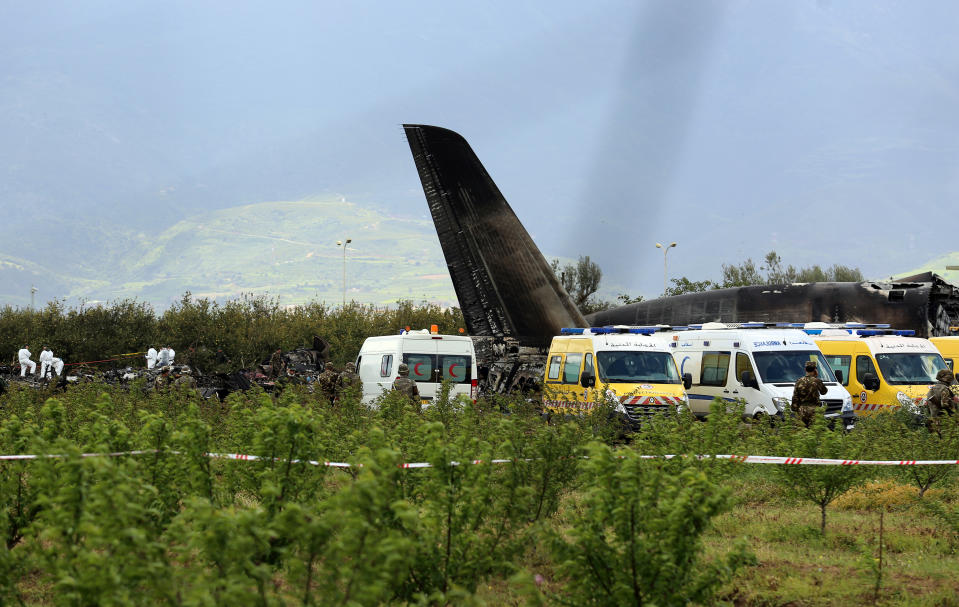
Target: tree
{"points": [[581, 280], [625, 299], [820, 485], [684, 285], [636, 535], [772, 271], [743, 275]]}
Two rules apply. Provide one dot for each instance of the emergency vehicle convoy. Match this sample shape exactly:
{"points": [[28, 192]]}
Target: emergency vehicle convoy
{"points": [[882, 368], [628, 365], [645, 370], [756, 363], [648, 370]]}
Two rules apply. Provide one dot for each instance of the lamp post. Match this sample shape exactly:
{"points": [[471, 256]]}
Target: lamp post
{"points": [[665, 250], [342, 243]]}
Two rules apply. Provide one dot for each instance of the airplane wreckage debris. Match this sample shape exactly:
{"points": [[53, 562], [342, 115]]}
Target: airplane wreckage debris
{"points": [[514, 304], [302, 366]]}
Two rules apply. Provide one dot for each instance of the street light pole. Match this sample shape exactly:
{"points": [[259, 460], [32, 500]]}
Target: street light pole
{"points": [[665, 250], [344, 245]]}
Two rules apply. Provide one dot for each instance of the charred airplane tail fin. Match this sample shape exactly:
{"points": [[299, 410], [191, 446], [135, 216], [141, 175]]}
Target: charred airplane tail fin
{"points": [[503, 283]]}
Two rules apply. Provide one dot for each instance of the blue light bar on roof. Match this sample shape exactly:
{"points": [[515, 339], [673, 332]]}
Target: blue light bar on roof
{"points": [[752, 325], [569, 331], [905, 332], [813, 331], [854, 325], [870, 332]]}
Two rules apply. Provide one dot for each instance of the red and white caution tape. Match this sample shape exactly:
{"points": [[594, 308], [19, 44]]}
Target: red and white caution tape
{"points": [[743, 459], [816, 461], [64, 455]]}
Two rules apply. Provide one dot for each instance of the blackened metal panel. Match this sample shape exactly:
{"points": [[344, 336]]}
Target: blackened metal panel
{"points": [[503, 283], [929, 308]]}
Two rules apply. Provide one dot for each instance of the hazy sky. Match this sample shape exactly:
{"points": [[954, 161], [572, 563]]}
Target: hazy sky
{"points": [[825, 130]]}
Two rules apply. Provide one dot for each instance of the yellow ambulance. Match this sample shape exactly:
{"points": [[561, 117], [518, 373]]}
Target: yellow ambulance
{"points": [[628, 366], [882, 368], [948, 347]]}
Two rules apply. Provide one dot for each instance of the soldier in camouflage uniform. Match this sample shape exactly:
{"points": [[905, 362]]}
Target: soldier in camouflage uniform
{"points": [[185, 380], [349, 381], [277, 366], [327, 382], [404, 385], [163, 380], [940, 399], [806, 394]]}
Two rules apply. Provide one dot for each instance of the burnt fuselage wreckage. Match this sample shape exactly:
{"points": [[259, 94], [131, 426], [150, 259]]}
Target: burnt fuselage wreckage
{"points": [[513, 303]]}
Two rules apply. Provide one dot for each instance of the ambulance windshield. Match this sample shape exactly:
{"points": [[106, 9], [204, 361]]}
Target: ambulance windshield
{"points": [[637, 367], [786, 366], [914, 369]]}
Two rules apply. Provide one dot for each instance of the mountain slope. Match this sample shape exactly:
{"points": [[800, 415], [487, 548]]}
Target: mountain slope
{"points": [[284, 249], [938, 265]]}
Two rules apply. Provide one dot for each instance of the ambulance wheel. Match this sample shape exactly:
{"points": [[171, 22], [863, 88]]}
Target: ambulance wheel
{"points": [[760, 418]]}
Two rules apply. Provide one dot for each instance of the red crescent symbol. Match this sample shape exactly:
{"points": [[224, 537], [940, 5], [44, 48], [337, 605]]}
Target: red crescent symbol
{"points": [[451, 368], [416, 368]]}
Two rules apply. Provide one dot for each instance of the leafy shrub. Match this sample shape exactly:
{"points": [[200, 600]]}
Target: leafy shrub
{"points": [[819, 484], [880, 495], [636, 536], [248, 329]]}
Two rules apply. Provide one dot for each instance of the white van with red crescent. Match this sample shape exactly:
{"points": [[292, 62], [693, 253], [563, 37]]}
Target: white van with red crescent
{"points": [[431, 358]]}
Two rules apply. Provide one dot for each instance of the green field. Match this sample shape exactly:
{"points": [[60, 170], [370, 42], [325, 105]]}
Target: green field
{"points": [[573, 517]]}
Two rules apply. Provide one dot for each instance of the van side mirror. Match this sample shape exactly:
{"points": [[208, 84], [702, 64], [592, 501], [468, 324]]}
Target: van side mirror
{"points": [[687, 380], [587, 379], [838, 374], [749, 380], [870, 381]]}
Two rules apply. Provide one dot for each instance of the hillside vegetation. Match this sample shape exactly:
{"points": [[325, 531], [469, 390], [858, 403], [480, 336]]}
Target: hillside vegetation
{"points": [[247, 329], [285, 249], [938, 265]]}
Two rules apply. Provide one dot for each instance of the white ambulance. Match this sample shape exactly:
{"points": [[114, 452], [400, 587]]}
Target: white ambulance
{"points": [[758, 363], [431, 358]]}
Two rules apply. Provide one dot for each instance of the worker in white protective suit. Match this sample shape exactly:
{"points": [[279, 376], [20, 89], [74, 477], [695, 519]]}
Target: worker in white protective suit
{"points": [[164, 358], [46, 358], [57, 364], [24, 357], [151, 357]]}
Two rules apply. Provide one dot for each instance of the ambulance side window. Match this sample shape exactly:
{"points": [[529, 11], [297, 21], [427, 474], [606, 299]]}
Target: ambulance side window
{"points": [[743, 364], [571, 368], [864, 365], [714, 369], [841, 363], [554, 365], [588, 364], [386, 365]]}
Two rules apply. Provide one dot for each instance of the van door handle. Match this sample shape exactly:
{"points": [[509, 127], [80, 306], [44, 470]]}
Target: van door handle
{"points": [[735, 391], [725, 391]]}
